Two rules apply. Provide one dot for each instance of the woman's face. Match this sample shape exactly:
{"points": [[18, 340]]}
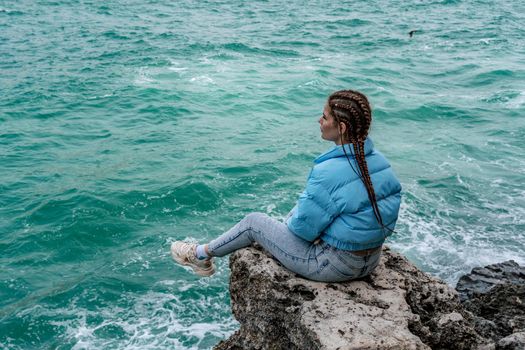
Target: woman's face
{"points": [[329, 128]]}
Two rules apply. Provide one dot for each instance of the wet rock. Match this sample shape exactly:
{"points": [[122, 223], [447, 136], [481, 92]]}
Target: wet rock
{"points": [[495, 295], [481, 279]]}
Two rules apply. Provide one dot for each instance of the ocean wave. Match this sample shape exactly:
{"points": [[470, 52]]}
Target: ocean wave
{"points": [[447, 249], [133, 321]]}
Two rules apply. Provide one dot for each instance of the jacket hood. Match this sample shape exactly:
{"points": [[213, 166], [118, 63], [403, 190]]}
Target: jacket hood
{"points": [[337, 151]]}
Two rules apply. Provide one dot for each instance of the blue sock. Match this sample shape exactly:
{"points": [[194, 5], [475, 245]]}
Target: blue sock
{"points": [[201, 252]]}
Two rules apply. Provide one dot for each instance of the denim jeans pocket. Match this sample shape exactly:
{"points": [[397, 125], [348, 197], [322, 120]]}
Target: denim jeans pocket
{"points": [[328, 272], [348, 259], [344, 272]]}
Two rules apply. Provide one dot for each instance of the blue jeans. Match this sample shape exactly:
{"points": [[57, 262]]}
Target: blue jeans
{"points": [[318, 262]]}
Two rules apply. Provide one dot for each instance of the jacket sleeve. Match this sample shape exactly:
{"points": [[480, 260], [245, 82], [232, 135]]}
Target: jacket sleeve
{"points": [[314, 210]]}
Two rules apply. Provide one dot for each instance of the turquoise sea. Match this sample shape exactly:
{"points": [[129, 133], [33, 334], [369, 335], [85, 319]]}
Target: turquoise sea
{"points": [[125, 125]]}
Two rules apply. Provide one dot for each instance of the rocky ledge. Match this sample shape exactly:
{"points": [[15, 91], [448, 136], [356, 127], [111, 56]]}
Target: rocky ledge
{"points": [[397, 307], [495, 295]]}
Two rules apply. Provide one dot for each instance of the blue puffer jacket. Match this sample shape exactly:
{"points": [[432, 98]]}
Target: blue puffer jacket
{"points": [[335, 207]]}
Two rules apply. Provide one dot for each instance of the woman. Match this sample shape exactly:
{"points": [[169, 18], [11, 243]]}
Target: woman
{"points": [[348, 208]]}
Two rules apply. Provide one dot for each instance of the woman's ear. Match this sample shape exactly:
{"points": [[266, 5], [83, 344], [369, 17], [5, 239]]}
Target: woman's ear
{"points": [[342, 128]]}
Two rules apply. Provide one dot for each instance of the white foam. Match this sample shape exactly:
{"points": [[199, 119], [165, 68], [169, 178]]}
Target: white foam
{"points": [[9, 344], [442, 237], [154, 320], [202, 79], [485, 41], [270, 208], [177, 69], [100, 97], [143, 77], [314, 82], [517, 102]]}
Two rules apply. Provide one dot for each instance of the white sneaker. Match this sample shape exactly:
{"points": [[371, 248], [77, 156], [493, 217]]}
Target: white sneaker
{"points": [[184, 254]]}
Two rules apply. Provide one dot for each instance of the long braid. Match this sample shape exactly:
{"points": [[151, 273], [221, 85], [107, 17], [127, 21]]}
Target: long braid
{"points": [[352, 108], [369, 185]]}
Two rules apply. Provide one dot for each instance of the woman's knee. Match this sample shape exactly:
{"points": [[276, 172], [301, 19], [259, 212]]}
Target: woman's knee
{"points": [[255, 217]]}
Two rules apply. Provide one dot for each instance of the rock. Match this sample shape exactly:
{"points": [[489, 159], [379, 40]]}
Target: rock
{"points": [[489, 346], [481, 279], [495, 295], [514, 341], [503, 306], [397, 307]]}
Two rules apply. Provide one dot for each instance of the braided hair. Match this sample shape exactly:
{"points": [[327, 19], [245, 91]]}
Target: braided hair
{"points": [[353, 109]]}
